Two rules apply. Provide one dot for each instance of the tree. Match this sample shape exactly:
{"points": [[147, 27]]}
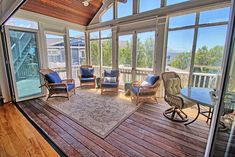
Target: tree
{"points": [[107, 52], [95, 54], [206, 60], [181, 61], [125, 55]]}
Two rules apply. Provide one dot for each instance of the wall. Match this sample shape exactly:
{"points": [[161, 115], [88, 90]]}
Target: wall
{"points": [[3, 77]]}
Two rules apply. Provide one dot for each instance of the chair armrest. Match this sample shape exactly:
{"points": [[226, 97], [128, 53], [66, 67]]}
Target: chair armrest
{"points": [[68, 81], [58, 85], [136, 83]]}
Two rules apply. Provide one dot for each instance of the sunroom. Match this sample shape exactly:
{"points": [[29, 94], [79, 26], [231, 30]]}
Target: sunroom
{"points": [[117, 78]]}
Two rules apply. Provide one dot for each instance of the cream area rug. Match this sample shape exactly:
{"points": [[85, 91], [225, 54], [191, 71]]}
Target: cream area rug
{"points": [[100, 114]]}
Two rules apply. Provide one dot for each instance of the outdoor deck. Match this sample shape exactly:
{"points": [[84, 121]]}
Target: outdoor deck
{"points": [[145, 133]]}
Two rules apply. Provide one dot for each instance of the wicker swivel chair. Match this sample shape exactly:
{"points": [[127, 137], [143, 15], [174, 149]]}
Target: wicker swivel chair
{"points": [[172, 85], [57, 87], [142, 91], [87, 77]]}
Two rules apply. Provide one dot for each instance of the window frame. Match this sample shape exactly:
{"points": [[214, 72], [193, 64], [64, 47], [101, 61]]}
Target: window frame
{"points": [[100, 46], [196, 26]]}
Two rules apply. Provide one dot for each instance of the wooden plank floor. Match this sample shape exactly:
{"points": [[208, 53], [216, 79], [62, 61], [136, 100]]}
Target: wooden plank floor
{"points": [[145, 133], [18, 138]]}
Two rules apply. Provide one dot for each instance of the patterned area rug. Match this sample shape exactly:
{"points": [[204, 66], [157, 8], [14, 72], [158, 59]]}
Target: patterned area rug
{"points": [[100, 114]]}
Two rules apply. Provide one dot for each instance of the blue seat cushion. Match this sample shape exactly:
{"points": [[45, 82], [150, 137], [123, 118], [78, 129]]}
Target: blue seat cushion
{"points": [[70, 86], [87, 72], [110, 85], [53, 77], [135, 90], [111, 73], [91, 79], [152, 79]]}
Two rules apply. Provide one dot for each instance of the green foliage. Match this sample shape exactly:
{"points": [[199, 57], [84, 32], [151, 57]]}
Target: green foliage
{"points": [[206, 60], [125, 55], [95, 54], [107, 52], [145, 53], [181, 61]]}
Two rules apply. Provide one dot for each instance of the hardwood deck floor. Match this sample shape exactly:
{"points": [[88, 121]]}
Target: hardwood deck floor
{"points": [[145, 133], [18, 138]]}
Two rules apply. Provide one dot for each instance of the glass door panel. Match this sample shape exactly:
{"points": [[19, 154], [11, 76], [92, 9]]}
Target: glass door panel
{"points": [[95, 56], [25, 63], [224, 142], [78, 55], [106, 47], [56, 54], [125, 59]]}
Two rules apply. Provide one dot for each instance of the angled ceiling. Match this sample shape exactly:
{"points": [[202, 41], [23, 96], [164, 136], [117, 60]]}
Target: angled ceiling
{"points": [[68, 10]]}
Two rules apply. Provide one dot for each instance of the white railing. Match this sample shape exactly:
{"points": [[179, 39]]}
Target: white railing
{"points": [[204, 80]]}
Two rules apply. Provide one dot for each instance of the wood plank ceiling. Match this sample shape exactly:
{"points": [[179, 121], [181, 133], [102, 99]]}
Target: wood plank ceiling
{"points": [[68, 10]]}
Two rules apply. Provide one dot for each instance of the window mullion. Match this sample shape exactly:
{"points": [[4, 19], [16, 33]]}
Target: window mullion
{"points": [[194, 49]]}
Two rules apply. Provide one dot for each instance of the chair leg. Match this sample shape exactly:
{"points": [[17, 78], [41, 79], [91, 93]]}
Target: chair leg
{"points": [[155, 98], [137, 100], [68, 95], [172, 112]]}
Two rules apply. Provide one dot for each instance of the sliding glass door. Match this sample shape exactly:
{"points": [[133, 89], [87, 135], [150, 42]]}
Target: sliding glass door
{"points": [[221, 141], [24, 61]]}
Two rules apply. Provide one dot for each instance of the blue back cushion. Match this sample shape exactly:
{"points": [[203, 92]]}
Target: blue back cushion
{"points": [[151, 79], [53, 78], [111, 73], [87, 72]]}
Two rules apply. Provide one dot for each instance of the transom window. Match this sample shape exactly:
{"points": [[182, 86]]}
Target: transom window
{"points": [[171, 2], [18, 22], [146, 5], [125, 8], [107, 15]]}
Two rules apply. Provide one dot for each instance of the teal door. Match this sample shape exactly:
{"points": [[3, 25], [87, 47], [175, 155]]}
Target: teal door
{"points": [[24, 61]]}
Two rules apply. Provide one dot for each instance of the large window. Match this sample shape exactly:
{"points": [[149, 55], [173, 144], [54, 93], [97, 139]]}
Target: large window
{"points": [[125, 8], [179, 52], [56, 54], [77, 48], [101, 50], [206, 47], [107, 15], [146, 5]]}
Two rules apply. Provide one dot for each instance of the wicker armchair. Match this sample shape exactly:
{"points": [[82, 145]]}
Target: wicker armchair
{"points": [[56, 86], [87, 77], [107, 84], [142, 91], [172, 85]]}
